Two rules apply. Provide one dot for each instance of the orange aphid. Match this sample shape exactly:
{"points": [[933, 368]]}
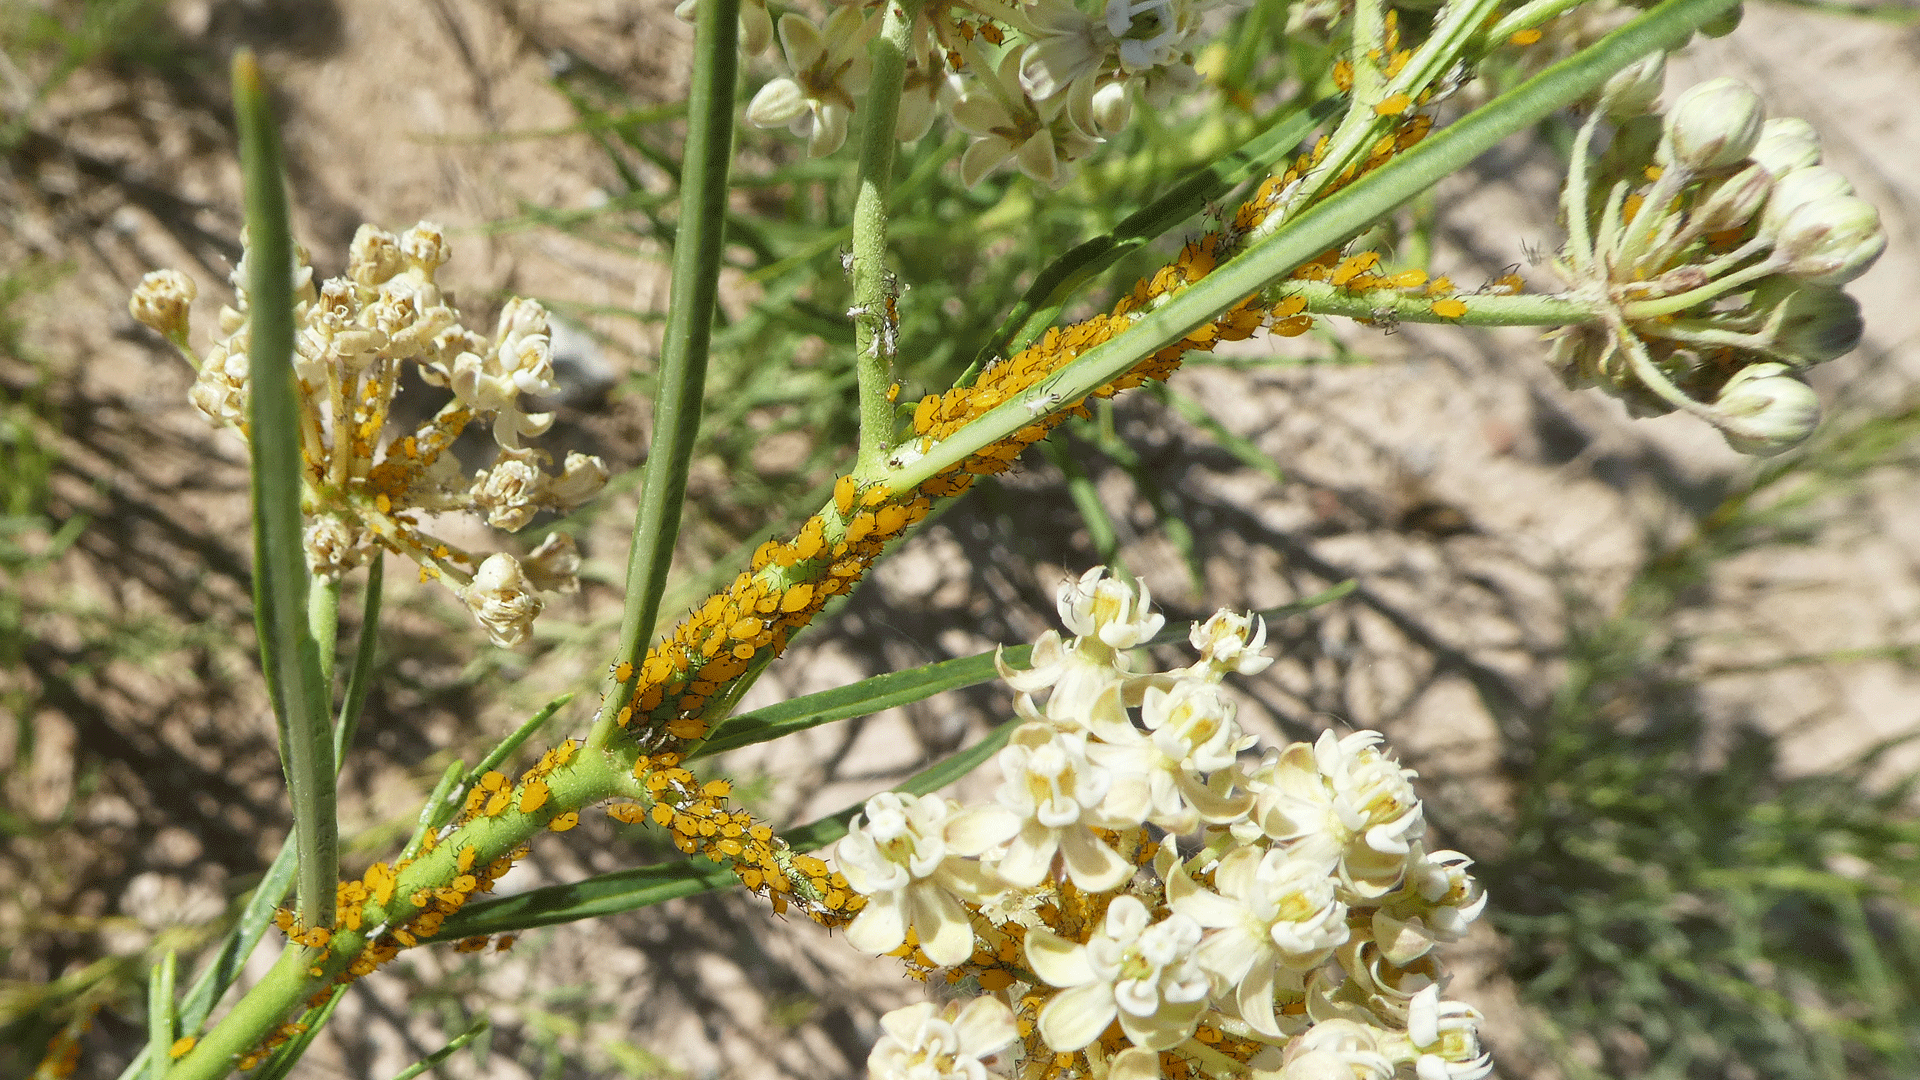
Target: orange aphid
{"points": [[467, 854], [563, 822], [1393, 105], [622, 671], [534, 796], [1449, 308], [1292, 305], [1524, 38], [843, 492], [1407, 279]]}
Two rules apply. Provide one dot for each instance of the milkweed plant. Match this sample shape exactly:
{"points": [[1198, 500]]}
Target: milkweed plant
{"points": [[1148, 892]]}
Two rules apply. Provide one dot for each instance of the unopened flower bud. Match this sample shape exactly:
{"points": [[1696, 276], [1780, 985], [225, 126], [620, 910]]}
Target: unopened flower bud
{"points": [[1831, 241], [1112, 108], [1634, 89], [1734, 200], [1713, 125], [162, 301], [1786, 143], [1811, 323], [1765, 410], [1798, 188]]}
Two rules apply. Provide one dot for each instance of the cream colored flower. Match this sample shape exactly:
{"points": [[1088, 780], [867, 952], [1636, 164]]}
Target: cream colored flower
{"points": [[1436, 903], [1161, 775], [830, 69], [1230, 642], [1344, 797], [1445, 1036], [1143, 975], [924, 1042], [1108, 618], [1056, 793], [1006, 123], [1275, 912], [909, 858], [1337, 1050]]}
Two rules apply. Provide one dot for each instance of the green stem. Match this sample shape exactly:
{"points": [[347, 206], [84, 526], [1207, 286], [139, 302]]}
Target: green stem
{"points": [[875, 329], [1391, 306], [689, 330], [1320, 227], [1641, 310], [291, 656], [587, 779]]}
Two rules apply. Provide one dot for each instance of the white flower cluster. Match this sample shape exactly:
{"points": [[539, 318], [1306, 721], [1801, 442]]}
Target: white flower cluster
{"points": [[1723, 244], [355, 334], [1036, 82], [1297, 939]]}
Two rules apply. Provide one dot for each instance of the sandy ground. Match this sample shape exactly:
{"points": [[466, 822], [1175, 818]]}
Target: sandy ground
{"points": [[1478, 505]]}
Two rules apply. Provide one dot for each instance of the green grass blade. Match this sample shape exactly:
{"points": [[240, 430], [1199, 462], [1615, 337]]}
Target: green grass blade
{"points": [[160, 1012], [289, 654], [683, 351], [1326, 224], [453, 1046]]}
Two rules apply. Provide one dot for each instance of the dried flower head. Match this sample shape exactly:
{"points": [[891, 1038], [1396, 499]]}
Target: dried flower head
{"points": [[368, 482]]}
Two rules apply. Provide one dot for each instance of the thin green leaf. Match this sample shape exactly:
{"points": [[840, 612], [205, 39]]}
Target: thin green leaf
{"points": [[513, 742], [160, 1012], [453, 1046], [863, 698], [691, 301], [438, 809], [281, 1064], [288, 653], [1101, 531]]}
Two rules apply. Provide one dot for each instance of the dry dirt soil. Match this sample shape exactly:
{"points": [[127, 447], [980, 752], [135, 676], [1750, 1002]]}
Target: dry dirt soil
{"points": [[1481, 508]]}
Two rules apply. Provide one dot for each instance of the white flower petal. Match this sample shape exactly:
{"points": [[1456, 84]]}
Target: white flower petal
{"points": [[1076, 1017]]}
